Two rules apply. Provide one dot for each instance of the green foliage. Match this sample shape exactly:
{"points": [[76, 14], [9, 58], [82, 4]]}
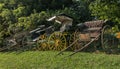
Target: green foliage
{"points": [[32, 21], [1, 6], [81, 10], [20, 11], [108, 9], [7, 15]]}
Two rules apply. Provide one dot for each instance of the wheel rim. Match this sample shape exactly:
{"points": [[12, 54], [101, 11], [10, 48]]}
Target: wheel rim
{"points": [[107, 38], [57, 41], [78, 43], [71, 40], [42, 45]]}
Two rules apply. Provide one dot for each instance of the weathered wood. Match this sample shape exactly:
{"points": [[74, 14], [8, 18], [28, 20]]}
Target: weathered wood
{"points": [[39, 27], [85, 45], [97, 23], [35, 30], [93, 29], [38, 31]]}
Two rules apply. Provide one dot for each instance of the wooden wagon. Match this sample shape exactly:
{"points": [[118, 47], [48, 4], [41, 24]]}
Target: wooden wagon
{"points": [[90, 32], [81, 37]]}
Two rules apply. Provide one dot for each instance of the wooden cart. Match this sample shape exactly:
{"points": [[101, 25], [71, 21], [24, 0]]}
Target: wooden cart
{"points": [[92, 31]]}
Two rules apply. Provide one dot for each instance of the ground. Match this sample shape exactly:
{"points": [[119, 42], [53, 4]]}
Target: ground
{"points": [[48, 60]]}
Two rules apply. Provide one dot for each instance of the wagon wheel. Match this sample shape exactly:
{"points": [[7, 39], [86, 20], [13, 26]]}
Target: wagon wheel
{"points": [[57, 41], [26, 42], [107, 38], [79, 43], [8, 44], [42, 43], [71, 39]]}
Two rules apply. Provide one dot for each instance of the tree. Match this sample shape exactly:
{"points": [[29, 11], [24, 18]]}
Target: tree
{"points": [[107, 9]]}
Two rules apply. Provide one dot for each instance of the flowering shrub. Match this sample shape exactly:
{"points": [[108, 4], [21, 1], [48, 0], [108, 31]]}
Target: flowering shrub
{"points": [[118, 35]]}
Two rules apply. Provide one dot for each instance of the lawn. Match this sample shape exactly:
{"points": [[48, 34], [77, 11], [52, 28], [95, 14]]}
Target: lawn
{"points": [[47, 60]]}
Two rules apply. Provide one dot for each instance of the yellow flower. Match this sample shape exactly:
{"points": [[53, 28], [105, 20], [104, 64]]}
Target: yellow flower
{"points": [[118, 35]]}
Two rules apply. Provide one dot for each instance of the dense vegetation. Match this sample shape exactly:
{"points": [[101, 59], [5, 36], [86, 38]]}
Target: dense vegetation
{"points": [[108, 9], [19, 15], [47, 60]]}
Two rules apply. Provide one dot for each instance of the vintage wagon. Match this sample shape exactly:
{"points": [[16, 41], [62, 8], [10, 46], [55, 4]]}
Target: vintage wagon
{"points": [[67, 38], [81, 37], [91, 31]]}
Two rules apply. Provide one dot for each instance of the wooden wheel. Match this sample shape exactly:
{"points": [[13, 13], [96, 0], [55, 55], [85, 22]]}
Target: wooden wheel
{"points": [[26, 42], [107, 38], [71, 39], [79, 43], [8, 44], [42, 43], [57, 41]]}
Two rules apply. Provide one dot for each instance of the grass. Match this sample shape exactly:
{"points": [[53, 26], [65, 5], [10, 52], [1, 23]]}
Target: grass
{"points": [[47, 60]]}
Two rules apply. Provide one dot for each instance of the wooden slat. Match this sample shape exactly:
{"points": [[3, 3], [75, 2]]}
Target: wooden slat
{"points": [[98, 23], [93, 29]]}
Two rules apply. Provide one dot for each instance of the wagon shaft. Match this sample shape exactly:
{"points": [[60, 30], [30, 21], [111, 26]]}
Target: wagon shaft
{"points": [[86, 45]]}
